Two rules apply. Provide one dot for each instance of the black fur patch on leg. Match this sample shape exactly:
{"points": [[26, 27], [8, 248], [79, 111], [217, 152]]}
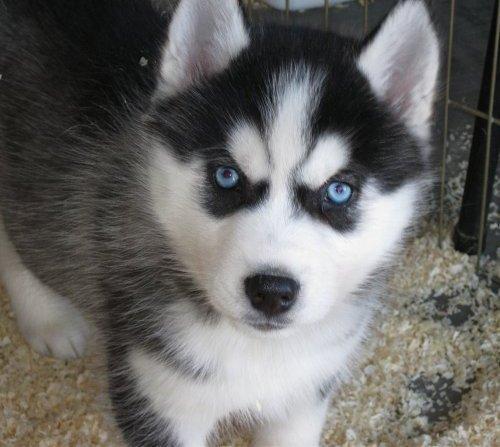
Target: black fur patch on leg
{"points": [[140, 426]]}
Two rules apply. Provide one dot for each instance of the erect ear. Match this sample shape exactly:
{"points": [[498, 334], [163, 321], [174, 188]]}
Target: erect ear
{"points": [[401, 62], [203, 37]]}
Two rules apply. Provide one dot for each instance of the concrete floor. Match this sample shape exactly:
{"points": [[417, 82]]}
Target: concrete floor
{"points": [[472, 21]]}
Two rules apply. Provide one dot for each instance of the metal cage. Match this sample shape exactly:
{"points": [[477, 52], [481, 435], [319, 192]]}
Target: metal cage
{"points": [[326, 8]]}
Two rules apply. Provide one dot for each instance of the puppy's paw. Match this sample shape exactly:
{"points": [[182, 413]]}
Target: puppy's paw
{"points": [[63, 339], [49, 322]]}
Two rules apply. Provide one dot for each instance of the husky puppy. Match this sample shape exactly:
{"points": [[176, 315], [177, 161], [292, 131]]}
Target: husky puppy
{"points": [[222, 200]]}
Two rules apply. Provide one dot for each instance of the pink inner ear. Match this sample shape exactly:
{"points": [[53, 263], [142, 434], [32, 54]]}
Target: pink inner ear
{"points": [[196, 59], [401, 63], [204, 35], [199, 67], [401, 84], [206, 65], [408, 76]]}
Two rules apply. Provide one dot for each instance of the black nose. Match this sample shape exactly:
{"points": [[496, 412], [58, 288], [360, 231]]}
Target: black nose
{"points": [[271, 295]]}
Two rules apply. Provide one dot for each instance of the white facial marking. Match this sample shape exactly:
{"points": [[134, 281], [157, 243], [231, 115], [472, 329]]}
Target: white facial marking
{"points": [[296, 92], [378, 236], [175, 193], [330, 156], [249, 151]]}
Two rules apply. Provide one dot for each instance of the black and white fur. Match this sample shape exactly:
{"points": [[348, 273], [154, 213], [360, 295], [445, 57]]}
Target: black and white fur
{"points": [[113, 116]]}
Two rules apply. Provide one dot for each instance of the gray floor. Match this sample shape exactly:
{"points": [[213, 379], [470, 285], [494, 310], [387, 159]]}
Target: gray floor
{"points": [[472, 27]]}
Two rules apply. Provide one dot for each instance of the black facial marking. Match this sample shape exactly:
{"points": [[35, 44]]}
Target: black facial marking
{"points": [[221, 202], [204, 116], [342, 217], [380, 146]]}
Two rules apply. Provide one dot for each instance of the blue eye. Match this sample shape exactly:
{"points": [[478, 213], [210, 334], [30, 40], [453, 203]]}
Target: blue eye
{"points": [[227, 177], [339, 193]]}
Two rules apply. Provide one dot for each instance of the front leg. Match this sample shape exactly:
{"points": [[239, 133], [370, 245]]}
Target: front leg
{"points": [[301, 428], [143, 395]]}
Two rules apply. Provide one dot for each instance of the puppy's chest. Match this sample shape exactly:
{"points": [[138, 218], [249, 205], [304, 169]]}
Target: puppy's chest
{"points": [[265, 380], [259, 378]]}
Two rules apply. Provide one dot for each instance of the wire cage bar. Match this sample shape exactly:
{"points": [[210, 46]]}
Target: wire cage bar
{"points": [[449, 103], [490, 119], [326, 8]]}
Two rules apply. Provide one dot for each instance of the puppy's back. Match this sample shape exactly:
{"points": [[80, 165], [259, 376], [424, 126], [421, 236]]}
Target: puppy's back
{"points": [[74, 72]]}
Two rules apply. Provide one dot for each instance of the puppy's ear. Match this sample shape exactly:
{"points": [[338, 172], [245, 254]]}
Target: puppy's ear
{"points": [[401, 62], [203, 37]]}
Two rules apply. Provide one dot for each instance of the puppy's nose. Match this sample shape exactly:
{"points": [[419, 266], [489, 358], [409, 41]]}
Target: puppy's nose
{"points": [[272, 295]]}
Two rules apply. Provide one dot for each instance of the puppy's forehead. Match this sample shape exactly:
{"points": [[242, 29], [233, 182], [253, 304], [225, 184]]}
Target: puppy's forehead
{"points": [[296, 95], [284, 140]]}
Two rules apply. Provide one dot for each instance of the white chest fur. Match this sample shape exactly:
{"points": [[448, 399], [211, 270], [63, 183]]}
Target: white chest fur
{"points": [[263, 377]]}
